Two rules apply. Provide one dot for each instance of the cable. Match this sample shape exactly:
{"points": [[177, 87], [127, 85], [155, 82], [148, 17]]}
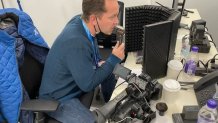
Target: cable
{"points": [[206, 28], [186, 85], [141, 93], [3, 6], [186, 88], [201, 63], [185, 37], [124, 119], [183, 60], [213, 43], [215, 56], [178, 75], [120, 84], [19, 5], [189, 11], [208, 63], [209, 35]]}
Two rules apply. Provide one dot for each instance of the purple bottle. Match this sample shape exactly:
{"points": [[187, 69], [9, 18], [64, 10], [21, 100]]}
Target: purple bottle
{"points": [[191, 61]]}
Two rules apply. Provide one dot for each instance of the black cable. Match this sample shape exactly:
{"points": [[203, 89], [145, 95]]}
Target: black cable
{"points": [[206, 28], [206, 65], [211, 60], [178, 75], [209, 35], [202, 63], [187, 85], [119, 84], [214, 57], [183, 62], [184, 85], [3, 6], [189, 11], [213, 43]]}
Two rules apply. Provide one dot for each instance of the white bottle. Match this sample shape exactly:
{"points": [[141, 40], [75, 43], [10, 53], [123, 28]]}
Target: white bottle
{"points": [[208, 113], [185, 47]]}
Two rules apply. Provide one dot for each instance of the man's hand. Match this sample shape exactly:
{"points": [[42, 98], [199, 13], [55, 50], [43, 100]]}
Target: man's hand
{"points": [[119, 50], [100, 63]]}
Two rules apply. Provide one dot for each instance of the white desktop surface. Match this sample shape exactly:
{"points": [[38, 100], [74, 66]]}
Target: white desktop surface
{"points": [[185, 97]]}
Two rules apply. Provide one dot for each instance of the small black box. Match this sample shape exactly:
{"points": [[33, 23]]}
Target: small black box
{"points": [[190, 112]]}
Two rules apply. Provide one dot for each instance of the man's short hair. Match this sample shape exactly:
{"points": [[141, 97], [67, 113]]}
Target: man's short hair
{"points": [[89, 7]]}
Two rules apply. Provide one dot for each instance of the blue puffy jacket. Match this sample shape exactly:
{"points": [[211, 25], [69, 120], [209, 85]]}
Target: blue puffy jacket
{"points": [[11, 92]]}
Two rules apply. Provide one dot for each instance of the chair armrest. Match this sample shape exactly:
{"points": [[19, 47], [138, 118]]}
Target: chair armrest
{"points": [[40, 105]]}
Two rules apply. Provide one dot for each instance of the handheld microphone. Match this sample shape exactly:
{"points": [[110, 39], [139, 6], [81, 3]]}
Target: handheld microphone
{"points": [[120, 33]]}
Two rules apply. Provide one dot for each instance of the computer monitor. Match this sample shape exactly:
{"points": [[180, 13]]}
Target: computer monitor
{"points": [[156, 44]]}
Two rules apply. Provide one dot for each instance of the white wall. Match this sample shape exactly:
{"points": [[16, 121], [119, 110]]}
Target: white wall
{"points": [[50, 16]]}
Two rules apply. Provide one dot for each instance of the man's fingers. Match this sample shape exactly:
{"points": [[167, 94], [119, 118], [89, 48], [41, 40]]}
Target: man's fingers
{"points": [[123, 46], [117, 45]]}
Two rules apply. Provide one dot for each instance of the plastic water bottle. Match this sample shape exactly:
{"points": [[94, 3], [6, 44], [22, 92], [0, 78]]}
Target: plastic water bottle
{"points": [[208, 113], [191, 61], [185, 47]]}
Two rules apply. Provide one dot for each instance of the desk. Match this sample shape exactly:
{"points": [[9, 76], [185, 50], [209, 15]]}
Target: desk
{"points": [[186, 97]]}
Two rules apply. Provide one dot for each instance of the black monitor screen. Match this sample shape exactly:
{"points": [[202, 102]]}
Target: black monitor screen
{"points": [[156, 42]]}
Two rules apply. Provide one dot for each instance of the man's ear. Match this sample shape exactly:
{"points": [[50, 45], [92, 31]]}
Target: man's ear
{"points": [[92, 19]]}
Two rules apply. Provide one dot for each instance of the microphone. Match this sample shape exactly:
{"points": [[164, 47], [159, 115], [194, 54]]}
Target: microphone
{"points": [[120, 33]]}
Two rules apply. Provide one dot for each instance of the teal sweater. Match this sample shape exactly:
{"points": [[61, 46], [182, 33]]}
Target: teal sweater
{"points": [[69, 65]]}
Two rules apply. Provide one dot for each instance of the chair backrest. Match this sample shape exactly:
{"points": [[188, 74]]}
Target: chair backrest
{"points": [[31, 75]]}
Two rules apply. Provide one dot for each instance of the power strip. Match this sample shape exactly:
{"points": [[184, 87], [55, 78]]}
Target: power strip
{"points": [[203, 71]]}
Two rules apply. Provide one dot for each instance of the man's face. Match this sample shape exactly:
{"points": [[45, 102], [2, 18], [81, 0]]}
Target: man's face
{"points": [[108, 20]]}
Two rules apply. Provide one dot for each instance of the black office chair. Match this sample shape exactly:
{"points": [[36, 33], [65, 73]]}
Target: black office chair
{"points": [[31, 74]]}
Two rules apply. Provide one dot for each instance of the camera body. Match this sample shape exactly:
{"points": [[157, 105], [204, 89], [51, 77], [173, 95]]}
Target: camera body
{"points": [[151, 88], [141, 89], [133, 102]]}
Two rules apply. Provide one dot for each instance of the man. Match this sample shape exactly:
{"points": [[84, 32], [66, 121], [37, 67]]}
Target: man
{"points": [[73, 66]]}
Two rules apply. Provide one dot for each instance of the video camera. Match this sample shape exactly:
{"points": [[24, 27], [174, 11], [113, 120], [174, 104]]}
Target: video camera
{"points": [[132, 104]]}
